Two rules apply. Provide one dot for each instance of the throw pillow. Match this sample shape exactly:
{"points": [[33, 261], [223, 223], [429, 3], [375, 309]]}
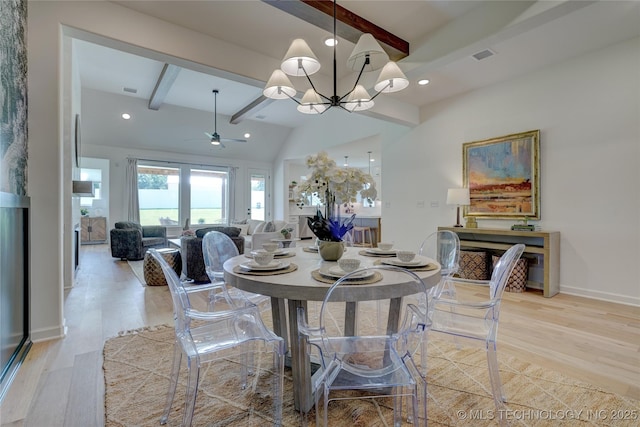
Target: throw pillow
{"points": [[244, 228], [269, 227], [255, 226], [239, 221]]}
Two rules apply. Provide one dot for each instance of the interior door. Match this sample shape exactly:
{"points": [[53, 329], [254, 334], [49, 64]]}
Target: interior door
{"points": [[259, 203]]}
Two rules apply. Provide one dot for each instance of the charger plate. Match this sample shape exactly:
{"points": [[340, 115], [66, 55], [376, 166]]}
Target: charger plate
{"points": [[372, 254], [376, 277], [289, 269], [427, 267]]}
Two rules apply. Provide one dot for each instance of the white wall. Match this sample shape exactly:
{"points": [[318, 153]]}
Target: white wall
{"points": [[588, 113]]}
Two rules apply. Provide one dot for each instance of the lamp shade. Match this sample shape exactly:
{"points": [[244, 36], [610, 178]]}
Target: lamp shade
{"points": [[358, 100], [391, 79], [367, 45], [458, 196], [279, 86], [300, 55], [311, 103]]}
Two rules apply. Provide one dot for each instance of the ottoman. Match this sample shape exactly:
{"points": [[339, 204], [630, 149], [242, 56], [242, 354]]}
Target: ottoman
{"points": [[153, 274]]}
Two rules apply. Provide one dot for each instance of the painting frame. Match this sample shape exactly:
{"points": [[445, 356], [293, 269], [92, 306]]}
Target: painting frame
{"points": [[503, 176]]}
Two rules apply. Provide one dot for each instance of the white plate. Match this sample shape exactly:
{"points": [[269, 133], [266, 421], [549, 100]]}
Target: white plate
{"points": [[336, 272], [379, 251], [279, 252], [313, 248], [273, 265], [416, 262]]}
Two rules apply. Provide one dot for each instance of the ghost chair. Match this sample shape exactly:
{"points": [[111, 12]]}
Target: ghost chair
{"points": [[360, 360], [202, 336], [477, 320]]}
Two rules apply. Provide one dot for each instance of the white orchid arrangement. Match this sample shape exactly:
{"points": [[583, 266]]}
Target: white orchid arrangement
{"points": [[334, 186]]}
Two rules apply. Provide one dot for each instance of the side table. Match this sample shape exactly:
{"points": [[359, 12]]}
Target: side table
{"points": [[153, 274]]}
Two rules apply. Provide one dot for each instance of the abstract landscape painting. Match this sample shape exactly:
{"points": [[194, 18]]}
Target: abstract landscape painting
{"points": [[502, 175]]}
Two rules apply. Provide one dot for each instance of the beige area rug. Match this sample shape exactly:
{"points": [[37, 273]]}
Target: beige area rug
{"points": [[138, 269], [137, 365]]}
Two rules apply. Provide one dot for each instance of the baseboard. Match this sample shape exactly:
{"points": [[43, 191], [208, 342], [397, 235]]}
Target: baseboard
{"points": [[602, 296], [46, 334]]}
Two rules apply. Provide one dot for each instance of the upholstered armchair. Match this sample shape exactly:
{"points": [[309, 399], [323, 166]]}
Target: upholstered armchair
{"points": [[192, 256], [130, 240]]}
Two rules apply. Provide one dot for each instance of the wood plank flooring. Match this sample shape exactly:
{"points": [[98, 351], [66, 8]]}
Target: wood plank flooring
{"points": [[61, 383]]}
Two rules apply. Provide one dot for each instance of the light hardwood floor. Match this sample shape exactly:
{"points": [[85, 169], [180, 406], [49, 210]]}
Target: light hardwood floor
{"points": [[61, 382]]}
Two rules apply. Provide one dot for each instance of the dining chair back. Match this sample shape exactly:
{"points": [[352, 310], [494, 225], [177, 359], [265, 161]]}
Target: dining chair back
{"points": [[355, 353], [443, 246], [201, 341], [478, 320]]}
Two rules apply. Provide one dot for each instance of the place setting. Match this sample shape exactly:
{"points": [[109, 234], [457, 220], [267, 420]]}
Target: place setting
{"points": [[263, 264], [329, 273], [409, 260], [383, 250], [275, 249]]}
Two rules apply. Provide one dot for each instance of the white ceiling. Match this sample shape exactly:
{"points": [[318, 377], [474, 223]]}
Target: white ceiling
{"points": [[525, 36]]}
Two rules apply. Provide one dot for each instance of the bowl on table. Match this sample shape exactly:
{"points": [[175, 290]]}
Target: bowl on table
{"points": [[270, 246], [405, 256], [349, 264], [385, 246], [263, 257]]}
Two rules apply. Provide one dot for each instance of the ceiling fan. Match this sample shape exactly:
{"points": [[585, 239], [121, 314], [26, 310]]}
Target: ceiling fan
{"points": [[215, 137]]}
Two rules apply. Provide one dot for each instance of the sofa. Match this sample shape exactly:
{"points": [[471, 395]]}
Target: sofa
{"points": [[191, 251], [251, 227], [130, 240]]}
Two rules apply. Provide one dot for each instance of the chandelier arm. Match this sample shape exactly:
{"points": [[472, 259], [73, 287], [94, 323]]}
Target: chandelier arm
{"points": [[313, 86], [367, 61], [380, 91]]}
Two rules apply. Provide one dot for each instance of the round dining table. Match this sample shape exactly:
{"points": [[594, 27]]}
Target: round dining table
{"points": [[294, 286]]}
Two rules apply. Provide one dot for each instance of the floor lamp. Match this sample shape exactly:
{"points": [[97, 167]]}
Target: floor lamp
{"points": [[458, 197]]}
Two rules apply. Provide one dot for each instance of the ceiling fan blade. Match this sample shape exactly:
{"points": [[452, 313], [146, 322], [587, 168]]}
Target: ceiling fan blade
{"points": [[232, 140]]}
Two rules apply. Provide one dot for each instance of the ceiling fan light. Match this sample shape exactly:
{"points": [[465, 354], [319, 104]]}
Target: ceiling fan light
{"points": [[215, 142], [300, 55], [311, 103], [358, 100], [279, 86], [367, 45], [391, 79]]}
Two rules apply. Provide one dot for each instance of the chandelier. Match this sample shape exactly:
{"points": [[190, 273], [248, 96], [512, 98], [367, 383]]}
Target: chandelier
{"points": [[301, 61]]}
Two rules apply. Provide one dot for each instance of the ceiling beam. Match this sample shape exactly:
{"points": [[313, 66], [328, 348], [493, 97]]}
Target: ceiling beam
{"points": [[349, 25], [256, 105], [163, 85]]}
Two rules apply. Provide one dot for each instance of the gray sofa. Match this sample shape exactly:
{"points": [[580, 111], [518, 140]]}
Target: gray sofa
{"points": [[191, 250], [130, 240]]}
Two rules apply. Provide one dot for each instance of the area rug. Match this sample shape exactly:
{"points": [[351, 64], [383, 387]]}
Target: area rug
{"points": [[137, 365], [137, 267]]}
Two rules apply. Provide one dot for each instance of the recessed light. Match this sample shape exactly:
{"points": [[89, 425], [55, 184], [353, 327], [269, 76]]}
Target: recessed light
{"points": [[126, 116], [247, 135], [423, 82], [330, 41]]}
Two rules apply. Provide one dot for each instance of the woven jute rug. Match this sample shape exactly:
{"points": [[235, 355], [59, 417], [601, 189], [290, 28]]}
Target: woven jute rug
{"points": [[137, 366]]}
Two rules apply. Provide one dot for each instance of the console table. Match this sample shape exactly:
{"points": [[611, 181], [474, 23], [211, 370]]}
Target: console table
{"points": [[542, 243]]}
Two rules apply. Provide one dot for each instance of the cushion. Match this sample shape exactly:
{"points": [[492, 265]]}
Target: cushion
{"points": [[269, 227], [255, 226], [243, 228], [239, 221], [127, 225], [229, 231]]}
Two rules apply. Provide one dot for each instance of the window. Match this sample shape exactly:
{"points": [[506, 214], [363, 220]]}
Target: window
{"points": [[168, 195], [208, 196], [159, 195]]}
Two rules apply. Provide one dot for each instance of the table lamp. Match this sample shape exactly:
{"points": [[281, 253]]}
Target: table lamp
{"points": [[458, 197]]}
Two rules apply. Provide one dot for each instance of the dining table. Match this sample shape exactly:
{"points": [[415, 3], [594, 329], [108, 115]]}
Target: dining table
{"points": [[300, 278]]}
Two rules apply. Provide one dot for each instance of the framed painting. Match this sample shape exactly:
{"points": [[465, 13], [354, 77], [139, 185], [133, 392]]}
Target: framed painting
{"points": [[503, 176]]}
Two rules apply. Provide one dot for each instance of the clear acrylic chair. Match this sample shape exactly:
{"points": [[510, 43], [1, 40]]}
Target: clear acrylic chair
{"points": [[444, 247], [355, 354], [478, 320], [211, 332], [217, 248]]}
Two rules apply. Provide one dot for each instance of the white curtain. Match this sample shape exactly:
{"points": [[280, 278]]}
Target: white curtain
{"points": [[232, 194], [131, 182]]}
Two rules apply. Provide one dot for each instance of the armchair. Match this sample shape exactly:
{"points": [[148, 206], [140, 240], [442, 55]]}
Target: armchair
{"points": [[130, 240], [192, 255]]}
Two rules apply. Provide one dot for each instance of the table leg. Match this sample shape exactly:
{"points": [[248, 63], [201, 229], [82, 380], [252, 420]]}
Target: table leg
{"points": [[300, 362], [279, 315]]}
